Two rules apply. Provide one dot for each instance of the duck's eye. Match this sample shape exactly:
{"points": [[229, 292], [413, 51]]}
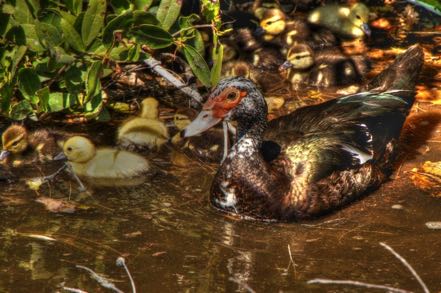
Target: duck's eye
{"points": [[232, 96]]}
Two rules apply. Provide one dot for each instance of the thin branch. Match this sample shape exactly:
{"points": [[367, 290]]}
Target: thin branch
{"points": [[101, 280], [155, 65], [74, 290], [242, 284], [408, 266], [358, 284], [292, 260], [120, 261]]}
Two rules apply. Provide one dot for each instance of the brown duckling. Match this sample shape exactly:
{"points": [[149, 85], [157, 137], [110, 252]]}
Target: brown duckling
{"points": [[23, 147], [324, 68]]}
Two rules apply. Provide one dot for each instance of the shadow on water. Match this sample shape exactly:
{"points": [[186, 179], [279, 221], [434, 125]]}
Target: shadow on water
{"points": [[173, 241]]}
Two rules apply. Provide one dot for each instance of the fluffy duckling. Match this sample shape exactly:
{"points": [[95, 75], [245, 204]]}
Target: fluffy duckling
{"points": [[349, 22], [145, 130], [273, 22], [22, 147], [104, 166], [323, 68]]}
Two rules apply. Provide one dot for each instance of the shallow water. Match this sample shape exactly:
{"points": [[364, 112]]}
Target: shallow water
{"points": [[173, 241]]}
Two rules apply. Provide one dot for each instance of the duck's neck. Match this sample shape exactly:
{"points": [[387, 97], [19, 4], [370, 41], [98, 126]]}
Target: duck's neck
{"points": [[252, 127]]}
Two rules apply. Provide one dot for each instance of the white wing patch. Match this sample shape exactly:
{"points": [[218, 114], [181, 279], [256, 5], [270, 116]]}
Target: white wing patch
{"points": [[360, 155]]}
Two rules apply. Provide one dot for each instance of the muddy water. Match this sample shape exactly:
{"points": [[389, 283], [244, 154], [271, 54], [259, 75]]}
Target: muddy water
{"points": [[173, 241]]}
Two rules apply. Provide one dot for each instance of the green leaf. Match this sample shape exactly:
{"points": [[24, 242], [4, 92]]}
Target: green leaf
{"points": [[32, 40], [120, 6], [22, 13], [61, 56], [119, 53], [121, 22], [28, 84], [143, 4], [93, 21], [60, 101], [73, 80], [153, 36], [43, 96], [218, 54], [71, 36], [197, 64], [75, 6], [142, 17], [168, 12], [93, 83], [19, 53], [48, 34], [21, 110]]}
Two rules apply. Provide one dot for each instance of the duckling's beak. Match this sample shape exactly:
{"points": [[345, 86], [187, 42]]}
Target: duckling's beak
{"points": [[4, 154], [259, 31], [286, 65], [366, 29], [60, 156], [205, 120]]}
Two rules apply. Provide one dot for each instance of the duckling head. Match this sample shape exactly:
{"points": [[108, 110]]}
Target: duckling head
{"points": [[149, 108], [15, 141], [273, 21], [79, 149], [300, 57], [359, 17]]}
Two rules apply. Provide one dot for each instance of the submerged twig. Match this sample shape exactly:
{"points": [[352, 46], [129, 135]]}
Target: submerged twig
{"points": [[408, 266], [101, 280], [243, 284], [155, 65], [74, 290], [120, 261], [358, 284], [292, 261]]}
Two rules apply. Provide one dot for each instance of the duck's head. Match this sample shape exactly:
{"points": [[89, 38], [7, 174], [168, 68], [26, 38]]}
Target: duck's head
{"points": [[359, 17], [15, 141], [273, 21], [79, 149], [299, 57], [233, 99], [149, 108]]}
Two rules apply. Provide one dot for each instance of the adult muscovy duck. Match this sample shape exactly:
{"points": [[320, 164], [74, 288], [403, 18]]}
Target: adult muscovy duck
{"points": [[330, 153]]}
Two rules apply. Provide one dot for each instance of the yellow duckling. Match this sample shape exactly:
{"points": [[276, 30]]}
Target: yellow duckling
{"points": [[104, 166], [346, 21], [300, 59], [144, 131], [273, 22], [23, 147]]}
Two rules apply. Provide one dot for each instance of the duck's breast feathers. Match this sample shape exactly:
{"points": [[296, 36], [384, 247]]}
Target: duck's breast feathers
{"points": [[343, 133], [112, 163]]}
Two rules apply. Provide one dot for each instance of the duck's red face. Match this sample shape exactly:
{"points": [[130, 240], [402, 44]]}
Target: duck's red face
{"points": [[216, 108]]}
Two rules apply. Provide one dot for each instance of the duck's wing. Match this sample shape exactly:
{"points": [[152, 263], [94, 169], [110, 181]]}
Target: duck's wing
{"points": [[343, 133]]}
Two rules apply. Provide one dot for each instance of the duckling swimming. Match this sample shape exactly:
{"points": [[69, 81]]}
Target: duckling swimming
{"points": [[349, 22], [144, 131], [104, 166], [23, 147]]}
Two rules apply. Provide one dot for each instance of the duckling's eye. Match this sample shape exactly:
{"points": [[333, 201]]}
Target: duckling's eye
{"points": [[15, 143], [69, 149], [358, 16], [298, 57], [269, 22]]}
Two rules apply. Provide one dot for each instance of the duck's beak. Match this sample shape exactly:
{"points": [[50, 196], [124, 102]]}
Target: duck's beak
{"points": [[4, 154], [205, 120], [60, 156], [366, 29]]}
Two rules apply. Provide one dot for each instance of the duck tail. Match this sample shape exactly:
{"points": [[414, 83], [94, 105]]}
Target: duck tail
{"points": [[402, 74]]}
